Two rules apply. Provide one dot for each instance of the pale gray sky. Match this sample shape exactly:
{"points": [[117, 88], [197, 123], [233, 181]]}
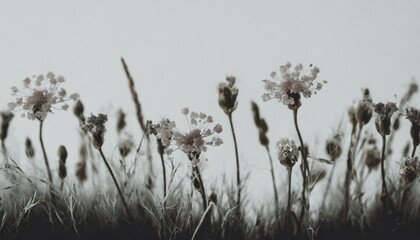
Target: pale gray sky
{"points": [[178, 51]]}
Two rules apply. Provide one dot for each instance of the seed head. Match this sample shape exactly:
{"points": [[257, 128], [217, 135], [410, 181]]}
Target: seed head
{"points": [[81, 173], [333, 147], [410, 169], [364, 109], [413, 115], [228, 94], [6, 118], [287, 153], [62, 155], [261, 124], [121, 121], [373, 158], [383, 117], [96, 126], [78, 111], [126, 145], [40, 95]]}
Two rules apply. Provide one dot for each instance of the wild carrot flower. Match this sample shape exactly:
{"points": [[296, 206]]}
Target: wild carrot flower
{"points": [[410, 168], [228, 94], [96, 126], [289, 84], [41, 94], [383, 118], [287, 152], [200, 135]]}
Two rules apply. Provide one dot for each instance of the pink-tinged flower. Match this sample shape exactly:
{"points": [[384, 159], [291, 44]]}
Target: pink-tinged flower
{"points": [[287, 152], [288, 85], [200, 135], [40, 95], [410, 168]]}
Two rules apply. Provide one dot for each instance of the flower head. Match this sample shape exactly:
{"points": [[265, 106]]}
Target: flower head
{"points": [[200, 135], [288, 85], [364, 109], [383, 119], [228, 94], [96, 126], [410, 168], [287, 152], [413, 115], [333, 146], [41, 94], [164, 131]]}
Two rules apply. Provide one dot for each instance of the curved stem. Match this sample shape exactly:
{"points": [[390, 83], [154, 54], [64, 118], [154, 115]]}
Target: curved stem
{"points": [[238, 176], [203, 192], [276, 198], [41, 123], [116, 184], [304, 167]]}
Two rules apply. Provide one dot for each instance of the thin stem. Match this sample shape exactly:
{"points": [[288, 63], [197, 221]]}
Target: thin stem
{"points": [[164, 175], [116, 184], [276, 198], [289, 197], [414, 151], [203, 192], [202, 220], [304, 167], [384, 196], [238, 176], [41, 123]]}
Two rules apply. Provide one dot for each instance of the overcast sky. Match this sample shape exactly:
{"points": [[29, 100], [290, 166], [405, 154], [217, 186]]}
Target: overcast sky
{"points": [[178, 52]]}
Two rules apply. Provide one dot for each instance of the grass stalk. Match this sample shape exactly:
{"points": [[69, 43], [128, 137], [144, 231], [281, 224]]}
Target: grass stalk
{"points": [[276, 198]]}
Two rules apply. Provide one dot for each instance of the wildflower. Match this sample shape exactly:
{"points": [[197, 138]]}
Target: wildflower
{"points": [[164, 131], [228, 94], [40, 95], [96, 126], [383, 118], [413, 115], [194, 142], [364, 109], [6, 118], [410, 168], [333, 146], [287, 153], [289, 84]]}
